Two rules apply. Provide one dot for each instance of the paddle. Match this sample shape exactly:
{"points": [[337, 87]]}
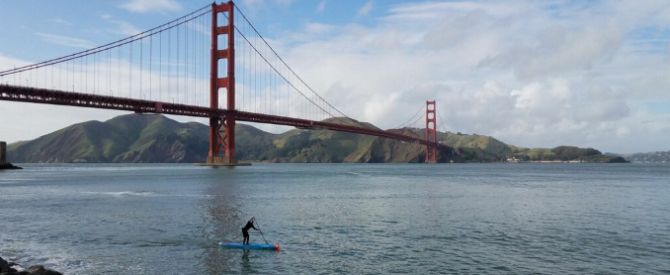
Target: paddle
{"points": [[259, 230]]}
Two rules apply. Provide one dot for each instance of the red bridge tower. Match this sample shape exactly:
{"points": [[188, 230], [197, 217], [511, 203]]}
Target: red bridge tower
{"points": [[431, 132], [222, 129]]}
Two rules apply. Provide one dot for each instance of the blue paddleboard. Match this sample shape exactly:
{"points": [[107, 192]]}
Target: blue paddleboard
{"points": [[254, 246]]}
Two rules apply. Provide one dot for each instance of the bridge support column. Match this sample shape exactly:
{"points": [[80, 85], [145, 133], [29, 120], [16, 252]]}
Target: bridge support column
{"points": [[431, 132], [222, 129], [3, 152]]}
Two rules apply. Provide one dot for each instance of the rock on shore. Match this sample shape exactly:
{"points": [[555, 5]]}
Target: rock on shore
{"points": [[8, 166], [11, 268]]}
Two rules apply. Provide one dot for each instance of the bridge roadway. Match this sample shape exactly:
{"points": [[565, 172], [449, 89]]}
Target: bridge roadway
{"points": [[56, 97]]}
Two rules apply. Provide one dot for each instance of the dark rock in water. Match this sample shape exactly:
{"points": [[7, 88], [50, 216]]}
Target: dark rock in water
{"points": [[36, 269], [40, 270], [8, 166], [6, 269], [4, 265]]}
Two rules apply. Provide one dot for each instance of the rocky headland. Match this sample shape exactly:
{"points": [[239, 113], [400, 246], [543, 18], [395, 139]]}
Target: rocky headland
{"points": [[12, 268]]}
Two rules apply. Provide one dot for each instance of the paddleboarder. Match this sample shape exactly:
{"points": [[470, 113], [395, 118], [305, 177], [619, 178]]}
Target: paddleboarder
{"points": [[245, 230]]}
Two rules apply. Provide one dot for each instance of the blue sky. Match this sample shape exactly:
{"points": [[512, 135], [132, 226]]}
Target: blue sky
{"points": [[531, 73], [97, 22]]}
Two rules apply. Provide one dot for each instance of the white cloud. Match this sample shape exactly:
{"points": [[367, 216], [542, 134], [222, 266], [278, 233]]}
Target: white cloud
{"points": [[321, 6], [61, 21], [365, 9], [262, 3], [253, 3], [122, 27], [522, 72], [284, 2], [318, 28], [559, 49], [151, 5], [66, 40], [429, 11], [7, 62], [127, 28]]}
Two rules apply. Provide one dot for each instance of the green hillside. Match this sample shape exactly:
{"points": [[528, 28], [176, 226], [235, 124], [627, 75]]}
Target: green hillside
{"points": [[156, 138], [128, 138], [299, 145]]}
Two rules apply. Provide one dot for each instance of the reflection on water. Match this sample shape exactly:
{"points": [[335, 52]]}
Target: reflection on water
{"points": [[225, 214], [246, 265], [348, 218]]}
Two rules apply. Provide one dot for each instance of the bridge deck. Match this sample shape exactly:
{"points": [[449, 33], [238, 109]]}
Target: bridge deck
{"points": [[56, 97]]}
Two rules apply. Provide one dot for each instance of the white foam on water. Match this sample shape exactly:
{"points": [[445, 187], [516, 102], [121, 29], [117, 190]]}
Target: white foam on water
{"points": [[52, 256], [354, 173], [124, 193]]}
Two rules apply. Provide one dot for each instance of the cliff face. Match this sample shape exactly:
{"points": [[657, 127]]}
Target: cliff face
{"points": [[155, 138]]}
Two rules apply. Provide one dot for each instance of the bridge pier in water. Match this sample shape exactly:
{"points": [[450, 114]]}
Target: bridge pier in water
{"points": [[3, 152], [3, 158]]}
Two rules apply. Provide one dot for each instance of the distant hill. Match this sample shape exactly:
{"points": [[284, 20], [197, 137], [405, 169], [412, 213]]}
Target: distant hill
{"points": [[128, 138], [657, 157], [156, 138], [564, 153]]}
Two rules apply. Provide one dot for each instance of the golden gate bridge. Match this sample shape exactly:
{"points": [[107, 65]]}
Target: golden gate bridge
{"points": [[164, 70]]}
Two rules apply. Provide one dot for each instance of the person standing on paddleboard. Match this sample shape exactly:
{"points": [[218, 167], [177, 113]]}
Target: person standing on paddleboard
{"points": [[245, 230]]}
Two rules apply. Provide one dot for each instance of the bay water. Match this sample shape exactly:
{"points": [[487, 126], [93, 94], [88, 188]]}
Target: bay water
{"points": [[339, 218]]}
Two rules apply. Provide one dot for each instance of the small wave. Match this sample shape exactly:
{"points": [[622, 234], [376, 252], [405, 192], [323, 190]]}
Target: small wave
{"points": [[123, 193], [355, 173]]}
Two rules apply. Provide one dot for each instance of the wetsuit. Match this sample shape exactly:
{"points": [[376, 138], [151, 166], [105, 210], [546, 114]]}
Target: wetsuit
{"points": [[245, 231]]}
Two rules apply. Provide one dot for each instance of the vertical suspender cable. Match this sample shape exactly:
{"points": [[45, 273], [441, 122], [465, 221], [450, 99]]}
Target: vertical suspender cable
{"points": [[95, 73], [177, 65], [141, 69], [109, 71], [168, 64], [151, 57], [160, 67], [130, 72]]}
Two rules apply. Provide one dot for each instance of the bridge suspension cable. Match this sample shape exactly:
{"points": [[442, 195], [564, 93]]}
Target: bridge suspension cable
{"points": [[277, 74], [165, 70], [164, 63], [443, 123], [169, 63], [288, 66], [413, 119], [171, 24]]}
